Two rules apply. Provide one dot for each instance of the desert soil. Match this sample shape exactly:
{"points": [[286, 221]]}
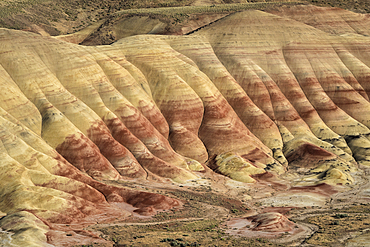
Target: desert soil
{"points": [[215, 213]]}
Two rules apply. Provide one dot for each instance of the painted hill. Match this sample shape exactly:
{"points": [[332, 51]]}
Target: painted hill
{"points": [[283, 94]]}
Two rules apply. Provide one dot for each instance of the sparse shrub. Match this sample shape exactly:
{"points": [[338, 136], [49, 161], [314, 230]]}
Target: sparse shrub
{"points": [[340, 216], [261, 240], [335, 223]]}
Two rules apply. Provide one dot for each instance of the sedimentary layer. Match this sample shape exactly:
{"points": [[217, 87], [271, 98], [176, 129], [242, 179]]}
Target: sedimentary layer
{"points": [[252, 93]]}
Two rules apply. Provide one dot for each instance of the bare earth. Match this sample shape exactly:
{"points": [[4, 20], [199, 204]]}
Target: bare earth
{"points": [[213, 210]]}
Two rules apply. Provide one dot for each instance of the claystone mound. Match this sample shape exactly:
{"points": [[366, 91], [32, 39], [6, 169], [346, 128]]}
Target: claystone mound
{"points": [[271, 222], [252, 94]]}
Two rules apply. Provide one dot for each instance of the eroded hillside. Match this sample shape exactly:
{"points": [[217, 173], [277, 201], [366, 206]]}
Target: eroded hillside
{"points": [[269, 111], [104, 22]]}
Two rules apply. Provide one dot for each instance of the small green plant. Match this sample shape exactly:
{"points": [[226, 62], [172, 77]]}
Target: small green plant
{"points": [[335, 223], [167, 240], [340, 216], [261, 240], [178, 242]]}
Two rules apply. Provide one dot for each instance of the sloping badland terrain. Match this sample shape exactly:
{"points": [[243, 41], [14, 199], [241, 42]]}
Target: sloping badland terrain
{"points": [[251, 130]]}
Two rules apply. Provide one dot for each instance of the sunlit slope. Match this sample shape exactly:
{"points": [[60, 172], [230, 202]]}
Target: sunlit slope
{"points": [[306, 80], [250, 94]]}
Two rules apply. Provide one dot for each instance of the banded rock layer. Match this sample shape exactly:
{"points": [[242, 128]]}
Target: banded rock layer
{"points": [[252, 93]]}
